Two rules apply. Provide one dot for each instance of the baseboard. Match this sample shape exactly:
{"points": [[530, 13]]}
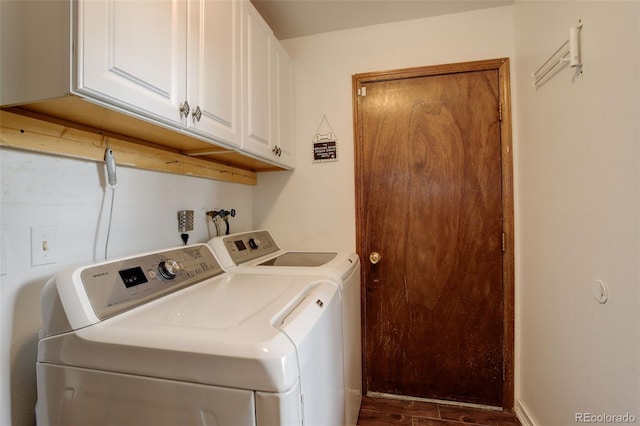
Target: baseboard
{"points": [[522, 413]]}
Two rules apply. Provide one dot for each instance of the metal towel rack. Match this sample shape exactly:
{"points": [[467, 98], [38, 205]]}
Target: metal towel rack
{"points": [[569, 52]]}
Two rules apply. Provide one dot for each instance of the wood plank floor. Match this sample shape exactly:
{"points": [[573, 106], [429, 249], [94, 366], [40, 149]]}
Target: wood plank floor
{"points": [[390, 412]]}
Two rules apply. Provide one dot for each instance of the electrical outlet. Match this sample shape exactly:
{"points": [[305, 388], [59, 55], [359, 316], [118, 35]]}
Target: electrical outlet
{"points": [[44, 245]]}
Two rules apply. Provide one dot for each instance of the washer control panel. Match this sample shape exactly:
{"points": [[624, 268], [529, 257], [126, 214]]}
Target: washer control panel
{"points": [[249, 246], [118, 286]]}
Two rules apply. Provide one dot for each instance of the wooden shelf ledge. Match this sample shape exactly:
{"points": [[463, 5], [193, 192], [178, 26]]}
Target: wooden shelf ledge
{"points": [[66, 139]]}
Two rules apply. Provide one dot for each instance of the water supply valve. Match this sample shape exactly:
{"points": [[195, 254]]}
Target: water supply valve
{"points": [[222, 214]]}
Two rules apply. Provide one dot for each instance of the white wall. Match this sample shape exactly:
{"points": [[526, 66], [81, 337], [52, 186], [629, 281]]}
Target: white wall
{"points": [[578, 214], [314, 207], [46, 190]]}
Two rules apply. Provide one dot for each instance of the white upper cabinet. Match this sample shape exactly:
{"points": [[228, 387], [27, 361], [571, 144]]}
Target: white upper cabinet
{"points": [[177, 61], [208, 69], [268, 92], [257, 88], [133, 54], [213, 64], [284, 107]]}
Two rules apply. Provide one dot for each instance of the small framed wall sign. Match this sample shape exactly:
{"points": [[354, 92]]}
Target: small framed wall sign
{"points": [[325, 143]]}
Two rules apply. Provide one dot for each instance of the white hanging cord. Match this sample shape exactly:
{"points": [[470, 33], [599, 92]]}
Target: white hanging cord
{"points": [[106, 245], [110, 163]]}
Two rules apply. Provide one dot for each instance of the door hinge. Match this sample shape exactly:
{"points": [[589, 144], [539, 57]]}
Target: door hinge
{"points": [[500, 111], [504, 242], [362, 91]]}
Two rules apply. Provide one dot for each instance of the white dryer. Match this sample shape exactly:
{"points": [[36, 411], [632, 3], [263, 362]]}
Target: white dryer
{"points": [[169, 338], [256, 252]]}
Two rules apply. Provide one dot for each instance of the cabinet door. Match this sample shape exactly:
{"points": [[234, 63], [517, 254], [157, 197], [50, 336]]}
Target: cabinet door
{"points": [[133, 54], [284, 107], [214, 76], [258, 103]]}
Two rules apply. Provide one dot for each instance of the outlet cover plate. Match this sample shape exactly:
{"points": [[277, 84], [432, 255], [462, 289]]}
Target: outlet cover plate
{"points": [[44, 245]]}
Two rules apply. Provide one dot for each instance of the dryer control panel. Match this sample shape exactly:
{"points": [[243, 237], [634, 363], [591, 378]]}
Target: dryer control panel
{"points": [[120, 285], [249, 246]]}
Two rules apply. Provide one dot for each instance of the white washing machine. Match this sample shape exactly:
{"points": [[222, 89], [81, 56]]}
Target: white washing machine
{"points": [[256, 252], [169, 338]]}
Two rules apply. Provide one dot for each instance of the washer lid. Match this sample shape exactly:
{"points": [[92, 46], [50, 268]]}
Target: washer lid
{"points": [[222, 331], [299, 258]]}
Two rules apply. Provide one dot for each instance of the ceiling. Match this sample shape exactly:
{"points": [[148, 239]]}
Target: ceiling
{"points": [[298, 18]]}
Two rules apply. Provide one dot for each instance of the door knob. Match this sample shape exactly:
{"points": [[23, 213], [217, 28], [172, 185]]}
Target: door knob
{"points": [[374, 257]]}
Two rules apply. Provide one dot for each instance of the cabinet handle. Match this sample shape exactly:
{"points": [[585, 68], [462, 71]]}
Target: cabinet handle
{"points": [[197, 113], [184, 109], [276, 151]]}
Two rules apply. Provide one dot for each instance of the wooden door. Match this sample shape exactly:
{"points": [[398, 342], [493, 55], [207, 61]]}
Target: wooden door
{"points": [[433, 189]]}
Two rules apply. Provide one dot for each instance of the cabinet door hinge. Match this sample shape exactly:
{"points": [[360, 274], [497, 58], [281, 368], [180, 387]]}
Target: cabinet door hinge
{"points": [[504, 242], [362, 91], [500, 111]]}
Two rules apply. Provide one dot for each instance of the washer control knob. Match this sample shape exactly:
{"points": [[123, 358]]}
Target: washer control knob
{"points": [[169, 268], [254, 243]]}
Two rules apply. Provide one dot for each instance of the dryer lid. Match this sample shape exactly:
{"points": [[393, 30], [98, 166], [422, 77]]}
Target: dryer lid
{"points": [[222, 332]]}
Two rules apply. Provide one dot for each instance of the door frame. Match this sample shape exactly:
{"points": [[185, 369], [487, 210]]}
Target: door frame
{"points": [[508, 264]]}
